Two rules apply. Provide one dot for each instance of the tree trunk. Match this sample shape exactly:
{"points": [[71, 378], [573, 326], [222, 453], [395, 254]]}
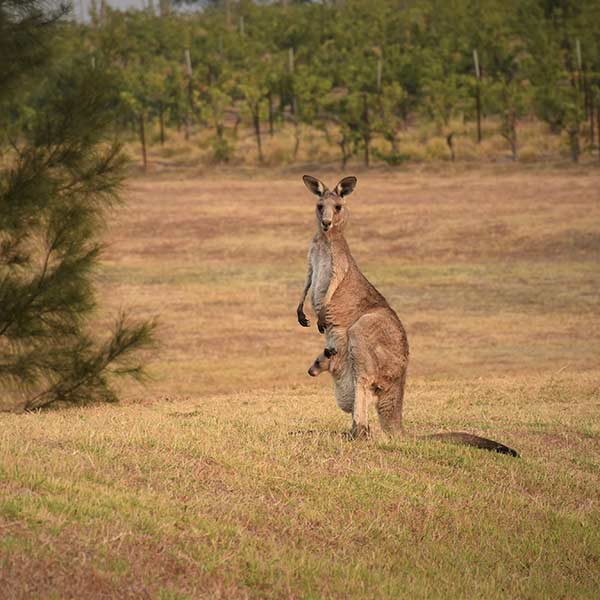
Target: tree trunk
{"points": [[510, 135], [344, 147], [450, 142], [161, 118], [143, 140], [478, 106], [513, 141], [592, 117], [297, 138], [404, 112], [256, 119], [586, 94], [574, 143], [271, 115], [281, 99], [394, 142], [367, 131], [291, 68], [191, 94], [598, 127]]}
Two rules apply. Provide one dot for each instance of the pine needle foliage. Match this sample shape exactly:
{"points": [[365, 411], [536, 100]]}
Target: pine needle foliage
{"points": [[60, 174]]}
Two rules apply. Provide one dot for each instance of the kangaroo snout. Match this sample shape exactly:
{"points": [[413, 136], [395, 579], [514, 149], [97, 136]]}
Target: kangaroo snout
{"points": [[311, 372]]}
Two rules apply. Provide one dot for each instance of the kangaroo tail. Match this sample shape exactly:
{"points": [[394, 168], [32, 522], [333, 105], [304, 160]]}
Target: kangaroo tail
{"points": [[468, 439]]}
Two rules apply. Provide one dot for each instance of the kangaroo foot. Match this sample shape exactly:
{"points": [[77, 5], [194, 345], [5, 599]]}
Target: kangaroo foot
{"points": [[360, 432]]}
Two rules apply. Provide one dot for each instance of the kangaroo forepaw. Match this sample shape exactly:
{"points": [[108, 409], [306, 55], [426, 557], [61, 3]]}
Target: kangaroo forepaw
{"points": [[321, 324], [302, 318], [304, 321]]}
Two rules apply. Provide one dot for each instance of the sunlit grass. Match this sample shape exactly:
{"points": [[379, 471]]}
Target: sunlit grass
{"points": [[229, 474], [223, 495]]}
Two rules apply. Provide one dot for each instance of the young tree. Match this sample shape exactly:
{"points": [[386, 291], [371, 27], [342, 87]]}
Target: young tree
{"points": [[513, 99], [509, 94], [312, 95], [444, 93], [254, 94], [344, 110], [59, 176], [390, 118], [217, 103]]}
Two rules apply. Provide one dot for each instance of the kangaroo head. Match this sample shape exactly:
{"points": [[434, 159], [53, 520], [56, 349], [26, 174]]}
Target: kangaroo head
{"points": [[322, 362], [331, 206]]}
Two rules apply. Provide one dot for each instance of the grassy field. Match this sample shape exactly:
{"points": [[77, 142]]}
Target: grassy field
{"points": [[228, 475]]}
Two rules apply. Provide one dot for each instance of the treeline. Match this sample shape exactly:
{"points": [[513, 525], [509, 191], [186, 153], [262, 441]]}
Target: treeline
{"points": [[358, 71]]}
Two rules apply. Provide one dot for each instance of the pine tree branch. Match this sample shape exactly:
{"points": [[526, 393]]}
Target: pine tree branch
{"points": [[35, 295], [122, 343], [42, 286]]}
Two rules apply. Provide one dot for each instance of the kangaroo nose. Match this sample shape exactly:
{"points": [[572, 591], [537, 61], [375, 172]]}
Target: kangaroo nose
{"points": [[326, 223], [310, 372]]}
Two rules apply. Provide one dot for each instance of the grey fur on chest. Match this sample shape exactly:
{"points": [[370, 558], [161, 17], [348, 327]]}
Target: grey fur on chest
{"points": [[322, 272]]}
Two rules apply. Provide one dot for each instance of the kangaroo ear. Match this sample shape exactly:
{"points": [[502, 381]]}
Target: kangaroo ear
{"points": [[314, 185], [346, 186]]}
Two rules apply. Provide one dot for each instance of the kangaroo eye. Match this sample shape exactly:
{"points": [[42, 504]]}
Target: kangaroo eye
{"points": [[317, 362], [338, 207]]}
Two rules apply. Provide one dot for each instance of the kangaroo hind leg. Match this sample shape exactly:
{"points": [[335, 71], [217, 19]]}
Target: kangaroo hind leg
{"points": [[379, 360], [363, 366], [360, 413], [389, 407]]}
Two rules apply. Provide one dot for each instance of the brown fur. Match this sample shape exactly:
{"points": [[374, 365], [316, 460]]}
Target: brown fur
{"points": [[372, 348], [330, 360]]}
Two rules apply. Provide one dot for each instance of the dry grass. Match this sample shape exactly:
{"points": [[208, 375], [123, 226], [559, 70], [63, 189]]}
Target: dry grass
{"points": [[421, 141], [228, 475]]}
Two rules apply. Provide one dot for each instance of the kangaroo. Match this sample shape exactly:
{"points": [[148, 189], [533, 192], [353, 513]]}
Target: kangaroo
{"points": [[322, 362], [325, 362], [370, 343]]}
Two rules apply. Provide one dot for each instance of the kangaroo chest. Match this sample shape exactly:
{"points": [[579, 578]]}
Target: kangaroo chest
{"points": [[321, 258]]}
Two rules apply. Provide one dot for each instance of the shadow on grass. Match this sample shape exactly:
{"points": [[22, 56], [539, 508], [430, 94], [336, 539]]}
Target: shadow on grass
{"points": [[343, 434]]}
